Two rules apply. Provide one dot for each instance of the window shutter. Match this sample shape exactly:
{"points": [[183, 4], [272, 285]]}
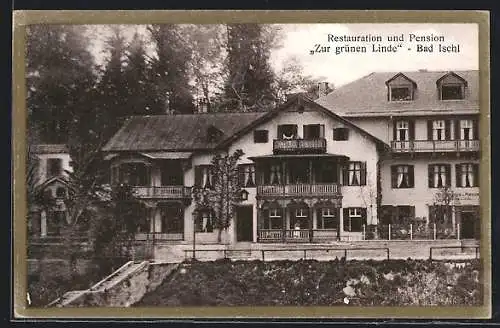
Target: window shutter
{"points": [[280, 132], [429, 130], [241, 175], [147, 180], [362, 175], [447, 130], [346, 134], [334, 134], [345, 219], [393, 176], [430, 175], [295, 129], [197, 176], [457, 129], [411, 176], [345, 175], [458, 180], [412, 212], [476, 174], [475, 129], [411, 127], [321, 130], [448, 175], [306, 132], [394, 130], [363, 215]]}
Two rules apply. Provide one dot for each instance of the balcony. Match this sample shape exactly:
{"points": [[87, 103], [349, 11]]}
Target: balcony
{"points": [[299, 146], [293, 190], [424, 146], [296, 236], [163, 192]]}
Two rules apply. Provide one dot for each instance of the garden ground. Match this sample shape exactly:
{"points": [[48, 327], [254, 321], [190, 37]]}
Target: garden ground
{"points": [[309, 282]]}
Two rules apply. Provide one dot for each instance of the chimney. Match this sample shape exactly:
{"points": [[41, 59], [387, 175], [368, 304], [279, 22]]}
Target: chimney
{"points": [[322, 89]]}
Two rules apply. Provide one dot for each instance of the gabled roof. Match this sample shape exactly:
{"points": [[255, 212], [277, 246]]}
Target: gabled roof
{"points": [[401, 75], [50, 181], [300, 99], [182, 132], [188, 132], [451, 74], [367, 96]]}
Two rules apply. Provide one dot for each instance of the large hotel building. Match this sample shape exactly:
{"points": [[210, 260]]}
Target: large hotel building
{"points": [[388, 148]]}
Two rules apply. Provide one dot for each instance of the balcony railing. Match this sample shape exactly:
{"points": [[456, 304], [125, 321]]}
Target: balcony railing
{"points": [[300, 146], [296, 236], [160, 236], [172, 192], [435, 146], [317, 189]]}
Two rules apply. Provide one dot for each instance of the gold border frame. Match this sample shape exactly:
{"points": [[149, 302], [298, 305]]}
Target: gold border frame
{"points": [[23, 18]]}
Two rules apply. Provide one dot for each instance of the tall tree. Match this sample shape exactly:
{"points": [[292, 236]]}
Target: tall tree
{"points": [[141, 96], [60, 75], [249, 74], [208, 53], [171, 67], [291, 78]]}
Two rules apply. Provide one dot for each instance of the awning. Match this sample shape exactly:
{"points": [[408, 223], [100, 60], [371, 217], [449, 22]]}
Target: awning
{"points": [[167, 155], [298, 156]]}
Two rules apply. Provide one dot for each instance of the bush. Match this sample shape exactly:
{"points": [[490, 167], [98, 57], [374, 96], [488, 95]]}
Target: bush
{"points": [[256, 283]]}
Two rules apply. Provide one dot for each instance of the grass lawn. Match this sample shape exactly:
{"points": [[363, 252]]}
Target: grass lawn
{"points": [[309, 282]]}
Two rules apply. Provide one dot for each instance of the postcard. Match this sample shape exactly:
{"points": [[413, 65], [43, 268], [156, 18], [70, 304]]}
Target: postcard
{"points": [[304, 164]]}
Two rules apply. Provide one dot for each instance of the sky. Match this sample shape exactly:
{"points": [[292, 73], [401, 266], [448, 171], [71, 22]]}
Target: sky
{"points": [[340, 69], [344, 68]]}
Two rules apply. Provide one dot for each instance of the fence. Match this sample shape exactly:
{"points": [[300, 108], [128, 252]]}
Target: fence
{"points": [[412, 231], [462, 248], [302, 251]]}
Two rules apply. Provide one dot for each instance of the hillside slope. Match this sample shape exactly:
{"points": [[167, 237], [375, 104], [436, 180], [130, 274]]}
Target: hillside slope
{"points": [[367, 283]]}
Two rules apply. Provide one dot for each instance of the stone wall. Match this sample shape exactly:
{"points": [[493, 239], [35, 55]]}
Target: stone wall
{"points": [[129, 290]]}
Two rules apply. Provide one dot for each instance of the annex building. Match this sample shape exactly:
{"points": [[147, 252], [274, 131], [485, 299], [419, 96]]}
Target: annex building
{"points": [[389, 148]]}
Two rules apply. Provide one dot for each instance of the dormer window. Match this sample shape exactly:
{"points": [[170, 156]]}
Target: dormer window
{"points": [[451, 87], [451, 92], [400, 88], [401, 94], [213, 134]]}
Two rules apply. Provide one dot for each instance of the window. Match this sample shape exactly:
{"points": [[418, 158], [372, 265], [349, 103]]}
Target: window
{"points": [[172, 174], [325, 171], [355, 175], [300, 218], [327, 218], [466, 130], [272, 174], [204, 176], [401, 94], [134, 174], [402, 176], [340, 134], [451, 92], [214, 134], [402, 131], [205, 221], [260, 136], [54, 167], [61, 192], [439, 175], [246, 175], [467, 175], [354, 219], [287, 131], [273, 219], [172, 219], [438, 130], [440, 214], [314, 131]]}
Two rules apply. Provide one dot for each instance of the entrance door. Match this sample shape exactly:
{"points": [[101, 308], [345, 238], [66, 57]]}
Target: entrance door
{"points": [[467, 227], [244, 223]]}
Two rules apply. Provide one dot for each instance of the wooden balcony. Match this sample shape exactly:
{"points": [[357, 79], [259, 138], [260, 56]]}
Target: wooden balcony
{"points": [[423, 146], [299, 146], [163, 192], [317, 189]]}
